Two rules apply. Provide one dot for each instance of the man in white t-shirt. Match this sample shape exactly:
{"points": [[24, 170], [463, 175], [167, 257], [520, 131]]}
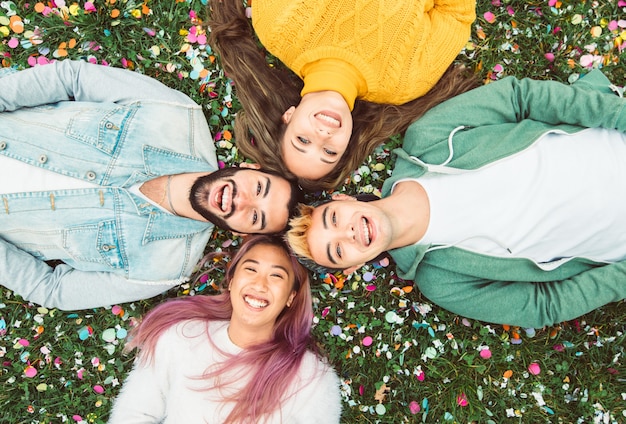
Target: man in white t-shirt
{"points": [[506, 204], [115, 175]]}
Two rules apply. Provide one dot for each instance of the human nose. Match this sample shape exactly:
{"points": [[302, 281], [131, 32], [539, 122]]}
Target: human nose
{"points": [[260, 283]]}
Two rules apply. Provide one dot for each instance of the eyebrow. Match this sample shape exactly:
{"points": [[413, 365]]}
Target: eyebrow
{"points": [[254, 261], [330, 258], [268, 183], [303, 151]]}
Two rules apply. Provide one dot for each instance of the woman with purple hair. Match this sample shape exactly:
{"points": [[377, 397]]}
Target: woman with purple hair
{"points": [[243, 356]]}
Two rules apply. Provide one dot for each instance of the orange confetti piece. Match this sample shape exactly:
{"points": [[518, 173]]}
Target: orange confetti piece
{"points": [[506, 327], [227, 135], [16, 24], [481, 34], [508, 374], [407, 289], [39, 7], [145, 9], [72, 43], [115, 13]]}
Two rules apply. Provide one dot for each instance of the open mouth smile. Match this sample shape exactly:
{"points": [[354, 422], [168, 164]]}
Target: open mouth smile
{"points": [[222, 198], [366, 232], [330, 119], [255, 303]]}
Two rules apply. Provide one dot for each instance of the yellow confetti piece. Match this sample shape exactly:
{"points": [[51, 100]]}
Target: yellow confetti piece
{"points": [[4, 20], [136, 13], [379, 166], [577, 19], [74, 8], [4, 31]]}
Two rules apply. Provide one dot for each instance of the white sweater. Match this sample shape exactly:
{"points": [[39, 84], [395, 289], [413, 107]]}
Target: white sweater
{"points": [[167, 392]]}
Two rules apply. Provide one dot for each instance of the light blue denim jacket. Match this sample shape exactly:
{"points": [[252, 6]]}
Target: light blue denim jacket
{"points": [[113, 128]]}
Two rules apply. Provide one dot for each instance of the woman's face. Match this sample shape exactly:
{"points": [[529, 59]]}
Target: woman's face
{"points": [[261, 287], [317, 134]]}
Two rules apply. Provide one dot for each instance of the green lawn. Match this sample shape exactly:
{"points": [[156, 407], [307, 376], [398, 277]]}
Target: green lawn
{"points": [[401, 359]]}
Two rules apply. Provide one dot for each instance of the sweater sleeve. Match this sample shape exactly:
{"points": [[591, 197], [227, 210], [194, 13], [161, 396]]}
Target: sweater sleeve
{"points": [[319, 398], [81, 81], [526, 304], [143, 397]]}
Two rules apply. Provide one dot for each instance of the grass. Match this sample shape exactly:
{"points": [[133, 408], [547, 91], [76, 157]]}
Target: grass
{"points": [[401, 359]]}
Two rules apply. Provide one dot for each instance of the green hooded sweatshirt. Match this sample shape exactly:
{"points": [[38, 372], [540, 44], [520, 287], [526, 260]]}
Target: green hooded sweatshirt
{"points": [[478, 128]]}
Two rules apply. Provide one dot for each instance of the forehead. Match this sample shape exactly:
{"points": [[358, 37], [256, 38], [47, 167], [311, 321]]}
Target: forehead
{"points": [[270, 255]]}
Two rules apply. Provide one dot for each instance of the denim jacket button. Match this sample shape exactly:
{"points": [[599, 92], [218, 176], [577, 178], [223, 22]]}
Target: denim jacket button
{"points": [[106, 247], [3, 145], [91, 175], [43, 159]]}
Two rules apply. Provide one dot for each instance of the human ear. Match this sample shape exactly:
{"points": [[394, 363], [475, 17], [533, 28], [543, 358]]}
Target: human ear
{"points": [[291, 297], [350, 270], [288, 113], [249, 165]]}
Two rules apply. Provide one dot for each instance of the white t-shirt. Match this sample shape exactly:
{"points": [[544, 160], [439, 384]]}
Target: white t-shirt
{"points": [[19, 177], [563, 197]]}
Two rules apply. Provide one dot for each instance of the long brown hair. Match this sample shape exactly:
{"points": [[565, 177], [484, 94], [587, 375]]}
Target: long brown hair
{"points": [[266, 91]]}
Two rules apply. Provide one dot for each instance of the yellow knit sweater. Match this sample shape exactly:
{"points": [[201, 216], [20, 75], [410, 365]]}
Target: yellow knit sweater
{"points": [[384, 51]]}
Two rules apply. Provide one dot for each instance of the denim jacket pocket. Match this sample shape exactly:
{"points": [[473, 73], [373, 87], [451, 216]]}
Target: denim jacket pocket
{"points": [[96, 243], [104, 136]]}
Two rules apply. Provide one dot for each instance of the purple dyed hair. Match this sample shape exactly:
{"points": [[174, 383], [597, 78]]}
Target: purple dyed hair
{"points": [[272, 364]]}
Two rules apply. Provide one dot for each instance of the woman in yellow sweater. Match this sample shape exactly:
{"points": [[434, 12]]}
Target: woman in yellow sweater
{"points": [[364, 70]]}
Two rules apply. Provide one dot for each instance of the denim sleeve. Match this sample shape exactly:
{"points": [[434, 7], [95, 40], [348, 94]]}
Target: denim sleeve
{"points": [[81, 81], [66, 288]]}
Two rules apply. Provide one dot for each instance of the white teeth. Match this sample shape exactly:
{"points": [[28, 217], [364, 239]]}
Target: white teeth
{"points": [[255, 303], [366, 231], [225, 198], [329, 119]]}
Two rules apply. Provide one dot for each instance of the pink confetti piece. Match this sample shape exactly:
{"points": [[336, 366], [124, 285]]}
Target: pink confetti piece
{"points": [[485, 353], [461, 400], [367, 341], [489, 17], [534, 368], [98, 389], [30, 371], [370, 287], [549, 57], [414, 407], [24, 342]]}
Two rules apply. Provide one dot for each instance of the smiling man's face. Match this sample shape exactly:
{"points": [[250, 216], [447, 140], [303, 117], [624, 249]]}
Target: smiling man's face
{"points": [[242, 200], [347, 233]]}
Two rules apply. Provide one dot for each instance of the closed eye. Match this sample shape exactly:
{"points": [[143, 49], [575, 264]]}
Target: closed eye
{"points": [[330, 152]]}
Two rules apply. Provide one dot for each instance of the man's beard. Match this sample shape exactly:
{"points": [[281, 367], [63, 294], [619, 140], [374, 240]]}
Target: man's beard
{"points": [[199, 196]]}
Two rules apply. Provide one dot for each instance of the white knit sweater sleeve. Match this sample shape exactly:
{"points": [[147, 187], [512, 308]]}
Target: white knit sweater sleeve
{"points": [[143, 397], [319, 399]]}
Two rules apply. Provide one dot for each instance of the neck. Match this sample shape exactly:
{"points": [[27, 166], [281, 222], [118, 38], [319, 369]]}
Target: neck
{"points": [[172, 193], [246, 337], [409, 211]]}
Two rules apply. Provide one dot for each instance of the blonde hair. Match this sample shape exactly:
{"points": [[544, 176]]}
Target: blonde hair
{"points": [[298, 229]]}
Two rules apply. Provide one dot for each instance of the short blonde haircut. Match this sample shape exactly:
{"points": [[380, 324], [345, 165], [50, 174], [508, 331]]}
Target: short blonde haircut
{"points": [[298, 228]]}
